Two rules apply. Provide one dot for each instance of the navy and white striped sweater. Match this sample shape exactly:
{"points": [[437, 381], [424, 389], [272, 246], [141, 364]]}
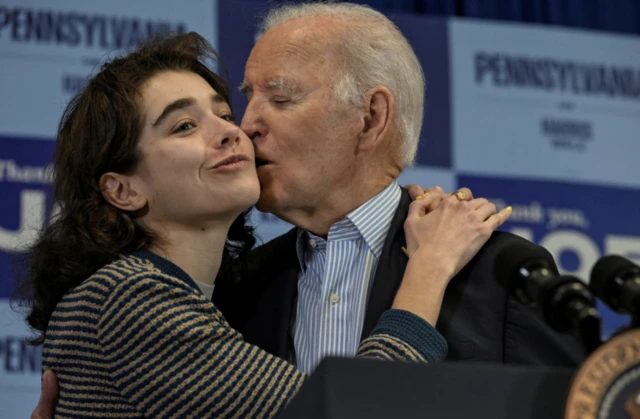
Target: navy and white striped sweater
{"points": [[139, 339]]}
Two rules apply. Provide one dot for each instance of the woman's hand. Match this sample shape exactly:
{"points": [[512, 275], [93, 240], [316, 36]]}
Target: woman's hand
{"points": [[452, 233], [440, 242]]}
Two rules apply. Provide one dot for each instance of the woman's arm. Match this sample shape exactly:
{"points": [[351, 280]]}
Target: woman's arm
{"points": [[440, 242], [171, 353]]}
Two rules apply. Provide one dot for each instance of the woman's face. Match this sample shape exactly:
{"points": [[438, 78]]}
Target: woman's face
{"points": [[197, 166]]}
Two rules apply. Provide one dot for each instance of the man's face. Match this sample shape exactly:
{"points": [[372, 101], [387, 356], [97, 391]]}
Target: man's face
{"points": [[305, 140]]}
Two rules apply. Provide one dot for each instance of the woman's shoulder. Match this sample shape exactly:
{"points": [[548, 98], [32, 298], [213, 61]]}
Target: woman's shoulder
{"points": [[132, 277], [125, 268], [87, 299]]}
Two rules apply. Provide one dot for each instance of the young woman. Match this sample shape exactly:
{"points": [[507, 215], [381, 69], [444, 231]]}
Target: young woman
{"points": [[153, 180]]}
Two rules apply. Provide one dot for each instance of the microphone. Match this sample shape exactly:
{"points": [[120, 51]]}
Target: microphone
{"points": [[616, 280], [563, 301]]}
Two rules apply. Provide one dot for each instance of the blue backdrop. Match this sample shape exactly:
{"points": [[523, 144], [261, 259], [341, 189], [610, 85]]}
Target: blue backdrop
{"points": [[563, 154], [621, 16]]}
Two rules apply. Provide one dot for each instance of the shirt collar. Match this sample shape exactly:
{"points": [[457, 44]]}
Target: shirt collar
{"points": [[369, 221], [372, 219]]}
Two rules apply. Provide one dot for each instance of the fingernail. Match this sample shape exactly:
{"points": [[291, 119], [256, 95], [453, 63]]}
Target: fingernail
{"points": [[509, 208]]}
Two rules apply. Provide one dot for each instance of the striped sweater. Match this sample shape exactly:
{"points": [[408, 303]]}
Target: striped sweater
{"points": [[139, 339]]}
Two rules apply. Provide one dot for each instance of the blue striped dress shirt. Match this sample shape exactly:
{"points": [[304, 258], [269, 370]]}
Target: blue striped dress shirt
{"points": [[335, 280]]}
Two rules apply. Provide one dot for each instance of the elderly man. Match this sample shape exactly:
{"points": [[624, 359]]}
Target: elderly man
{"points": [[335, 103]]}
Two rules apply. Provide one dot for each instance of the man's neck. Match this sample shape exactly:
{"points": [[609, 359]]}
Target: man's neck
{"points": [[196, 250], [335, 207]]}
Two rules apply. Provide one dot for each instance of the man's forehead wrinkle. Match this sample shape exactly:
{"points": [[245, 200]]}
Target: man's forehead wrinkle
{"points": [[302, 38], [287, 52], [295, 48]]}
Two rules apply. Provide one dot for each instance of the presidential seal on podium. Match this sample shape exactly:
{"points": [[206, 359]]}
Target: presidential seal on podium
{"points": [[607, 385]]}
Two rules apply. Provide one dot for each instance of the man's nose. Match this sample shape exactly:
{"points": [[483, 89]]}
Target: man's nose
{"points": [[251, 122]]}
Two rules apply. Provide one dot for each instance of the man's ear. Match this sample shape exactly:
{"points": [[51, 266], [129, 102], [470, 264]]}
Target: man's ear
{"points": [[121, 192], [378, 116]]}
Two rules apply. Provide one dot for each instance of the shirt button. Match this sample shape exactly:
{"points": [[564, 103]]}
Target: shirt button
{"points": [[334, 298], [312, 243]]}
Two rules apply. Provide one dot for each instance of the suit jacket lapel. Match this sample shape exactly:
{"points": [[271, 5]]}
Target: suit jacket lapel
{"points": [[390, 270], [270, 328]]}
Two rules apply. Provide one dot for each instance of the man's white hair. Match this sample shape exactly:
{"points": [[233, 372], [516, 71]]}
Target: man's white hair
{"points": [[373, 53]]}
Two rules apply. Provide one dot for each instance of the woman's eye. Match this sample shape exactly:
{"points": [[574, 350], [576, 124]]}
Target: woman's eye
{"points": [[185, 126], [228, 118]]}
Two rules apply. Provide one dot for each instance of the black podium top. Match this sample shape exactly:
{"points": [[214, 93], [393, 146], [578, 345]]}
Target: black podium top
{"points": [[355, 388]]}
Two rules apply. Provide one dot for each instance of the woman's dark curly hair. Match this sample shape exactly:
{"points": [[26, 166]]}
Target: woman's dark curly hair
{"points": [[99, 133]]}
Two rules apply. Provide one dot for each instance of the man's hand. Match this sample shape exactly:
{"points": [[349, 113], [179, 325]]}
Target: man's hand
{"points": [[48, 398]]}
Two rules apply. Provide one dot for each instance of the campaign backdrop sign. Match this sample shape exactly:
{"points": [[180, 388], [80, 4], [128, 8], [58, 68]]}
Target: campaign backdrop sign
{"points": [[545, 103], [25, 208], [577, 223], [48, 51], [547, 120]]}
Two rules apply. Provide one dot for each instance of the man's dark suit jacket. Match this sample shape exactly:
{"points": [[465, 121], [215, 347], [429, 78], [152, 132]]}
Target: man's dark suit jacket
{"points": [[480, 320]]}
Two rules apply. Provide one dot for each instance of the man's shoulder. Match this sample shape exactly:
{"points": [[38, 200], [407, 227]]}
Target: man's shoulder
{"points": [[479, 307], [482, 273], [504, 237], [483, 263], [501, 239]]}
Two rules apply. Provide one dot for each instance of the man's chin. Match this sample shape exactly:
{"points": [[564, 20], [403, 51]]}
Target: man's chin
{"points": [[270, 203], [265, 203], [267, 200]]}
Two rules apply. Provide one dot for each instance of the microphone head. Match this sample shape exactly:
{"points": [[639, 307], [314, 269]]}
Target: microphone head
{"points": [[524, 254], [604, 272]]}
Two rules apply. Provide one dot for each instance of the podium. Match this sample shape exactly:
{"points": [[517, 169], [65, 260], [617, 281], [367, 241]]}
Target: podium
{"points": [[344, 388]]}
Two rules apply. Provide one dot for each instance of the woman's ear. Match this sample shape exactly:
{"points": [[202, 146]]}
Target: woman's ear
{"points": [[122, 192]]}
